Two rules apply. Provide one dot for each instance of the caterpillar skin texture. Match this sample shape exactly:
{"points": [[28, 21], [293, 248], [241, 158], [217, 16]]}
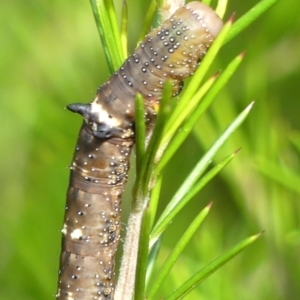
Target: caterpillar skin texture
{"points": [[100, 164]]}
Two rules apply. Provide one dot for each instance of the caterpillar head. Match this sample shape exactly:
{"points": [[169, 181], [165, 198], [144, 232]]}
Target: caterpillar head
{"points": [[99, 122]]}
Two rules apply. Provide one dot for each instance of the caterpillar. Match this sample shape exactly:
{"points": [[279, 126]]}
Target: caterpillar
{"points": [[100, 164]]}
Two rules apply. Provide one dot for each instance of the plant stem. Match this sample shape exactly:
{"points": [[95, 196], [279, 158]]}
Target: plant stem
{"points": [[126, 281]]}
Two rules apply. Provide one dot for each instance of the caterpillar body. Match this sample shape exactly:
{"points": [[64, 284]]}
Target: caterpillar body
{"points": [[100, 163]]}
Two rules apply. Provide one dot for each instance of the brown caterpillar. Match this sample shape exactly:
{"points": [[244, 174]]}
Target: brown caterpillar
{"points": [[101, 160]]}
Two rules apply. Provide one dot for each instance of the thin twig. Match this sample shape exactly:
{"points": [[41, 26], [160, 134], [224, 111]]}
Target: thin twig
{"points": [[126, 281]]}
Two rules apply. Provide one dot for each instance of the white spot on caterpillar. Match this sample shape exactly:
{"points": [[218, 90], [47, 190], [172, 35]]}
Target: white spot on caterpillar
{"points": [[103, 115], [76, 234], [58, 293], [64, 230]]}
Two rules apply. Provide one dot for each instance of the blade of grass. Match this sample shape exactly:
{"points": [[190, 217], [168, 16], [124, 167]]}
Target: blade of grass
{"points": [[148, 20], [204, 162], [206, 159], [249, 17], [194, 117], [178, 249], [158, 132], [221, 8], [196, 279], [169, 214], [142, 183], [111, 12], [140, 131], [104, 13], [207, 2], [181, 111], [124, 28], [281, 175], [152, 260], [155, 198], [294, 138]]}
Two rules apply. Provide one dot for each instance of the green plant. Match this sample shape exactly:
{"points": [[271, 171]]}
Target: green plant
{"points": [[51, 56], [171, 129]]}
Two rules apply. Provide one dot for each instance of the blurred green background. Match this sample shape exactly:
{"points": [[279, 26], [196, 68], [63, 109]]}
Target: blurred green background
{"points": [[51, 55]]}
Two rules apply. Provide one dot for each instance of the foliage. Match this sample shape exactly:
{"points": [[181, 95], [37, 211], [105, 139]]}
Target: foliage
{"points": [[50, 56]]}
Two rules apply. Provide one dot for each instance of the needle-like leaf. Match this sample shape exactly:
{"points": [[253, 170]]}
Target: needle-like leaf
{"points": [[197, 278]]}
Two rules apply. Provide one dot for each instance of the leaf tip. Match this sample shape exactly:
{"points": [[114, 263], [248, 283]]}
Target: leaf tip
{"points": [[216, 75], [237, 151], [256, 236], [249, 107], [231, 19], [209, 205], [242, 55]]}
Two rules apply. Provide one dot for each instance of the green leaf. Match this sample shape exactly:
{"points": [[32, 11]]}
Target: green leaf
{"points": [[294, 138], [178, 249], [152, 260], [197, 278], [221, 8], [148, 19], [154, 200], [105, 16], [195, 82], [249, 17], [185, 108], [200, 168], [124, 28], [279, 174], [189, 124], [142, 182], [140, 131], [170, 212]]}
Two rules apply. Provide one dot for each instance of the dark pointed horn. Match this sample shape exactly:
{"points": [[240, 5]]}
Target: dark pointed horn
{"points": [[83, 109]]}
